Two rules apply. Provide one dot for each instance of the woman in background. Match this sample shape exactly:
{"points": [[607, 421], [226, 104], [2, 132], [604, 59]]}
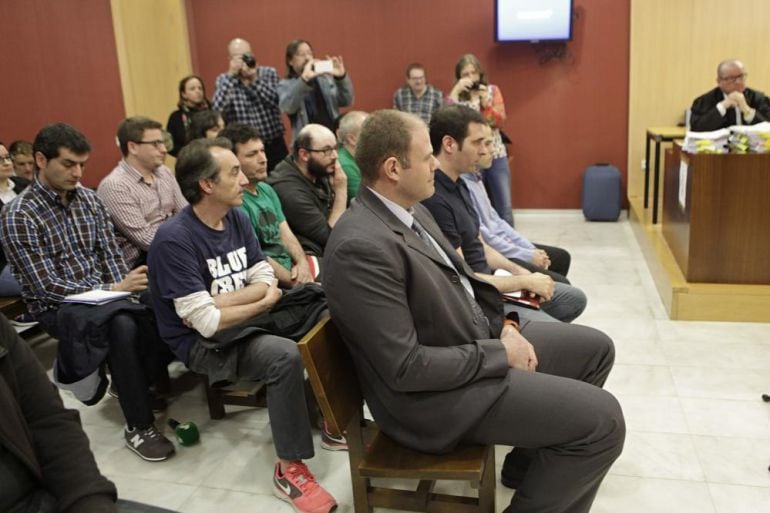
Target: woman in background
{"points": [[472, 89], [10, 187], [205, 124], [192, 99]]}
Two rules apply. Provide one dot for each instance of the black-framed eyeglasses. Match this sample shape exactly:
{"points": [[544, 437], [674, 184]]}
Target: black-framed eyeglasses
{"points": [[156, 144], [326, 152], [6, 158]]}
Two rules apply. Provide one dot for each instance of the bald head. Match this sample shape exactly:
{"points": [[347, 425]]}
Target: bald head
{"points": [[238, 46], [731, 76], [350, 129], [726, 67], [313, 136]]}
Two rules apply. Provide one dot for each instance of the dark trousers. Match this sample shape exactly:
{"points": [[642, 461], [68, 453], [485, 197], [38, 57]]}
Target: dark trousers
{"points": [[571, 429], [133, 360], [275, 151], [560, 258], [276, 362]]}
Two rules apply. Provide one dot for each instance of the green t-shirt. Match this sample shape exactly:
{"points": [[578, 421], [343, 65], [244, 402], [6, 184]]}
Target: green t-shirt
{"points": [[350, 167], [265, 213]]}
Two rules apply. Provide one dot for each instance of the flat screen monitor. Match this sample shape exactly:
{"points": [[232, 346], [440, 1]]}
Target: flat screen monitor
{"points": [[533, 20]]}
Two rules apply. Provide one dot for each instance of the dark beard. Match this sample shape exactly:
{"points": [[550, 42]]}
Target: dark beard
{"points": [[316, 169]]}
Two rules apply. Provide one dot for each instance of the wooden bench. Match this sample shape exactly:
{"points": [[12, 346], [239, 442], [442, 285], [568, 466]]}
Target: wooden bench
{"points": [[373, 455], [11, 307]]}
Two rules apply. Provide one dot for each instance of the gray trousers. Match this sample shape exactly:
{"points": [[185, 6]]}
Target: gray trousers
{"points": [[566, 305], [276, 362], [572, 429]]}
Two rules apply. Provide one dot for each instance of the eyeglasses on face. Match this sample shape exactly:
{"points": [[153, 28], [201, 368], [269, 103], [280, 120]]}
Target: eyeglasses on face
{"points": [[326, 152], [6, 158], [157, 144]]}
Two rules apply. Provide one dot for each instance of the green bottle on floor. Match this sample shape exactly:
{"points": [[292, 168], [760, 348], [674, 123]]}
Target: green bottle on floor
{"points": [[186, 432]]}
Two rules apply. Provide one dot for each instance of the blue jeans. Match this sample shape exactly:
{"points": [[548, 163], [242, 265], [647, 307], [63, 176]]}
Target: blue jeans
{"points": [[497, 180], [8, 285]]}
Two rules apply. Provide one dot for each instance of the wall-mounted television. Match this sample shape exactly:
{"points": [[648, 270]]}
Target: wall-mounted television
{"points": [[533, 20]]}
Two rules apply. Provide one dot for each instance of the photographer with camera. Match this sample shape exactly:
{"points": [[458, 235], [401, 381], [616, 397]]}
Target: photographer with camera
{"points": [[472, 89], [248, 93], [314, 89]]}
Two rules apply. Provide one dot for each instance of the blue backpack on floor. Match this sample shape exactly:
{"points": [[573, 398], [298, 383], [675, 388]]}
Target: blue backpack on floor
{"points": [[601, 193]]}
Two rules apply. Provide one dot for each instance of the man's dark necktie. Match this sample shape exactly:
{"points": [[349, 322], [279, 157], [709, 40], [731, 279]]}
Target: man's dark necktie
{"points": [[478, 313]]}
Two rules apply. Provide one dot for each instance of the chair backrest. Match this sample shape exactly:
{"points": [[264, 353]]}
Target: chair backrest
{"points": [[331, 374]]}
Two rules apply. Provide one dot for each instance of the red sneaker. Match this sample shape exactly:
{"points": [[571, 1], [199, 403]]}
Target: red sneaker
{"points": [[332, 442], [297, 486]]}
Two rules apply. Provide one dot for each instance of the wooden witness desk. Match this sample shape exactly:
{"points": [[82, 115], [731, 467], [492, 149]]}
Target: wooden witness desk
{"points": [[722, 235], [658, 134]]}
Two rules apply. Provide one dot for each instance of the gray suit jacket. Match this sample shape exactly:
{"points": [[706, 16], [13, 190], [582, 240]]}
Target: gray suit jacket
{"points": [[429, 370]]}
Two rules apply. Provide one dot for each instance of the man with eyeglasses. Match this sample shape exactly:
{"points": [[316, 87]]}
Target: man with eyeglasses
{"points": [[60, 241], [312, 187], [418, 96], [730, 103], [23, 161], [140, 193]]}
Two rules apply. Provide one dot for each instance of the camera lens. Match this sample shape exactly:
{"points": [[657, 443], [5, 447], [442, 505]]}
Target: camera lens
{"points": [[249, 60]]}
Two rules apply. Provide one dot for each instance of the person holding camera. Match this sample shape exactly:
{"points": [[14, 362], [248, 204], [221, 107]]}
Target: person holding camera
{"points": [[248, 93], [314, 89], [472, 89]]}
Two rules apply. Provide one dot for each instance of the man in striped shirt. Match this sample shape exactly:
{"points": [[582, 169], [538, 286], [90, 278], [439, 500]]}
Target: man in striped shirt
{"points": [[140, 193], [418, 96]]}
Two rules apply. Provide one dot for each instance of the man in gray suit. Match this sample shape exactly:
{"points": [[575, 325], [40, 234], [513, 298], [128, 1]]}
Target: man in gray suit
{"points": [[438, 363]]}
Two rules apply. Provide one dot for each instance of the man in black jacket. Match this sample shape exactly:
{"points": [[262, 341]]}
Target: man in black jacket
{"points": [[312, 187], [46, 465], [731, 103], [42, 445]]}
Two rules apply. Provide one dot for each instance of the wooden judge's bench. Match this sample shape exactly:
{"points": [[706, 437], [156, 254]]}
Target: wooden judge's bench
{"points": [[716, 216]]}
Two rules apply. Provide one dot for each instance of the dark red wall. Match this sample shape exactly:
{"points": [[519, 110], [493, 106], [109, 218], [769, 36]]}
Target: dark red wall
{"points": [[59, 63], [562, 115]]}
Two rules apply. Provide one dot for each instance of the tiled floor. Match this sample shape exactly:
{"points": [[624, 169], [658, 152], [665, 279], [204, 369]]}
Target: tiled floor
{"points": [[698, 433]]}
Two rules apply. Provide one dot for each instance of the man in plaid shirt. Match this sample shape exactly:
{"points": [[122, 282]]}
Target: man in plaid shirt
{"points": [[60, 241], [248, 94], [417, 96]]}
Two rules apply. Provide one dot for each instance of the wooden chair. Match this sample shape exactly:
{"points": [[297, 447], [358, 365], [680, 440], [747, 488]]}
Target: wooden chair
{"points": [[240, 394], [373, 455]]}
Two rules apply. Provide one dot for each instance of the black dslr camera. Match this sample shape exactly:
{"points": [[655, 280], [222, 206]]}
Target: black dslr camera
{"points": [[249, 60]]}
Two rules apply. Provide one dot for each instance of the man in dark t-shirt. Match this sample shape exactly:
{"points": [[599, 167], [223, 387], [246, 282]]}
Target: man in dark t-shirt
{"points": [[209, 274]]}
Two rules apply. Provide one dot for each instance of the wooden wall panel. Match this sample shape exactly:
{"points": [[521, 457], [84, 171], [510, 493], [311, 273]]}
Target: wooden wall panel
{"points": [[154, 53], [675, 48]]}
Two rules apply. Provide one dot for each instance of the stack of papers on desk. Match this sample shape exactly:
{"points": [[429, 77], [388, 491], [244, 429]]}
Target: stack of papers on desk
{"points": [[96, 297], [706, 142], [750, 138]]}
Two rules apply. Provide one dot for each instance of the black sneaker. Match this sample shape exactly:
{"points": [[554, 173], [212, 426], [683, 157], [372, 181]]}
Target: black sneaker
{"points": [[515, 467], [148, 443], [332, 442]]}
